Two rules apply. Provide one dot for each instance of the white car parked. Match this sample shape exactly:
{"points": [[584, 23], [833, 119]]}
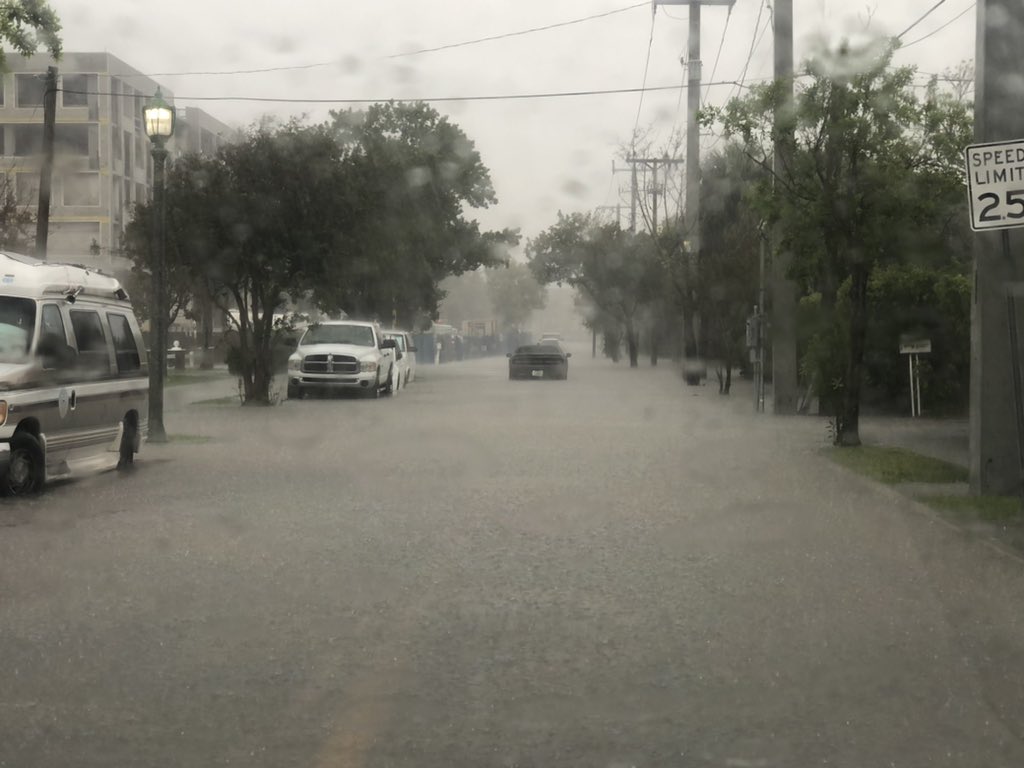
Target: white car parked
{"points": [[406, 364]]}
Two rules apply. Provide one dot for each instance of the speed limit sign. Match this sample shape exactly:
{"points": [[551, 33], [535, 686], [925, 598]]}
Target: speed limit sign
{"points": [[995, 184]]}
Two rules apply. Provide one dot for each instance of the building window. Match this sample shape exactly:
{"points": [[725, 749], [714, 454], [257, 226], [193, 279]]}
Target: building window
{"points": [[72, 238], [3, 89], [115, 144], [72, 139], [140, 151], [75, 92], [82, 189], [127, 143], [115, 100], [28, 140], [26, 187], [141, 194], [3, 139], [30, 90], [127, 103]]}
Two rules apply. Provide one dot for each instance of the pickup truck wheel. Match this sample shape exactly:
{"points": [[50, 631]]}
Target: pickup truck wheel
{"points": [[373, 391], [389, 385]]}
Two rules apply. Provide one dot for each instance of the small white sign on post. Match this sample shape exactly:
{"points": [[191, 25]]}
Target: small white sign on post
{"points": [[922, 347], [913, 350], [995, 184]]}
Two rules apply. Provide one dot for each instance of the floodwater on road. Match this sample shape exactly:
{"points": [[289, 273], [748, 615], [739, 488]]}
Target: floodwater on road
{"points": [[613, 570]]}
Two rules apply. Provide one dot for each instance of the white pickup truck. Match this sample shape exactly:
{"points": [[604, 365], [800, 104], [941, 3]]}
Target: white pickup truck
{"points": [[342, 354]]}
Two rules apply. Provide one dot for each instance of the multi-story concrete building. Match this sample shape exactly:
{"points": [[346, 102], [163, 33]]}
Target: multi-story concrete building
{"points": [[102, 160]]}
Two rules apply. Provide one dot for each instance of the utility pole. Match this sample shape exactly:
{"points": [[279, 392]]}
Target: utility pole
{"points": [[784, 293], [998, 265], [632, 193], [692, 214], [46, 171], [652, 164]]}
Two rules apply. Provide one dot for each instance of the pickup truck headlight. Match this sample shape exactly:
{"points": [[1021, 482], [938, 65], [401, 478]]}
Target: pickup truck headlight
{"points": [[295, 363], [367, 366]]}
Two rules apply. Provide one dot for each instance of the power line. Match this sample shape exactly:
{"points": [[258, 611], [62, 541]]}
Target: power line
{"points": [[461, 44], [721, 44], [647, 64], [481, 97], [517, 34], [927, 13], [960, 15], [753, 47]]}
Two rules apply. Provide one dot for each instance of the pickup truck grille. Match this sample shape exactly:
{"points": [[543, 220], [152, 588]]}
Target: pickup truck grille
{"points": [[330, 364]]}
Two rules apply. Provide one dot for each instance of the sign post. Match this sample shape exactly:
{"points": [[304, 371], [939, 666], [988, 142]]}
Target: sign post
{"points": [[995, 190], [913, 350]]}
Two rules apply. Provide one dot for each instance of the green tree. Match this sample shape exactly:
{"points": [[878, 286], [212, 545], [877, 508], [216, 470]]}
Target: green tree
{"points": [[411, 174], [17, 222], [259, 224], [515, 294], [870, 174], [726, 284], [618, 271], [28, 24]]}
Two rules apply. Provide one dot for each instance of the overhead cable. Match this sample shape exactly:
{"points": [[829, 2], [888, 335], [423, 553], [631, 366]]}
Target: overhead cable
{"points": [[480, 97], [335, 62]]}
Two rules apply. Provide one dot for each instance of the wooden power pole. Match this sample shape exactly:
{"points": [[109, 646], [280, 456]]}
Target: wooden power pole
{"points": [[783, 293], [46, 171], [692, 215], [998, 264]]}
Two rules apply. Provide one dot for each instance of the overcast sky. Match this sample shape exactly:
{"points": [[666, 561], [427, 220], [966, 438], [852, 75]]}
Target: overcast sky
{"points": [[544, 155]]}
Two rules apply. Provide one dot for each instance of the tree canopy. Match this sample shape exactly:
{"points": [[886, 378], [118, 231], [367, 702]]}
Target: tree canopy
{"points": [[870, 175], [363, 215], [619, 272], [25, 25]]}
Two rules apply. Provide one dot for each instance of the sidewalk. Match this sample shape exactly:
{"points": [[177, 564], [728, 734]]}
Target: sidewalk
{"points": [[945, 439]]}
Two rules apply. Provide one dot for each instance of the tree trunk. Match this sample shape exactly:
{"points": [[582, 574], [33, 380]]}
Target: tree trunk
{"points": [[206, 360], [689, 332], [848, 431], [654, 348], [728, 378], [633, 343]]}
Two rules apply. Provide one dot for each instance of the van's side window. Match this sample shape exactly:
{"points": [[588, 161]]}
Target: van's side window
{"points": [[92, 347], [52, 336], [53, 323], [124, 343]]}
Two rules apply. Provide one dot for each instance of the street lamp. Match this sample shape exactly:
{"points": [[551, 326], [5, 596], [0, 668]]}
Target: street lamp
{"points": [[158, 119]]}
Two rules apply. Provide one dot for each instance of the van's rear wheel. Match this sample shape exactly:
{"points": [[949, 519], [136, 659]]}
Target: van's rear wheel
{"points": [[129, 444], [27, 468]]}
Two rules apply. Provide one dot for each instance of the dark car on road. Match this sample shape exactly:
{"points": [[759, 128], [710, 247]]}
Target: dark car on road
{"points": [[539, 361]]}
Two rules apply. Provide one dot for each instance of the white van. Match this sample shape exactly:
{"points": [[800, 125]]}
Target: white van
{"points": [[74, 386]]}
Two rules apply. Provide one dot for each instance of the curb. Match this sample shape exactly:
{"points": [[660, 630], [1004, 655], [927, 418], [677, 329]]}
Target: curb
{"points": [[925, 511]]}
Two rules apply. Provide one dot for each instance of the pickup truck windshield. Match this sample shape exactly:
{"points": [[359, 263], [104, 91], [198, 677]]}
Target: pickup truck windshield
{"points": [[358, 335]]}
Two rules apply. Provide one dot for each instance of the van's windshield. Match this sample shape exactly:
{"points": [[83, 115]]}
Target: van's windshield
{"points": [[17, 324]]}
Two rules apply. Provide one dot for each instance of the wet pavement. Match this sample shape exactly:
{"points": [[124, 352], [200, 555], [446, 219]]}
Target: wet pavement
{"points": [[615, 570]]}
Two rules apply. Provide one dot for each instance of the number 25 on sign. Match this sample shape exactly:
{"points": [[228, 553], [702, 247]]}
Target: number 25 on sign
{"points": [[995, 184]]}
